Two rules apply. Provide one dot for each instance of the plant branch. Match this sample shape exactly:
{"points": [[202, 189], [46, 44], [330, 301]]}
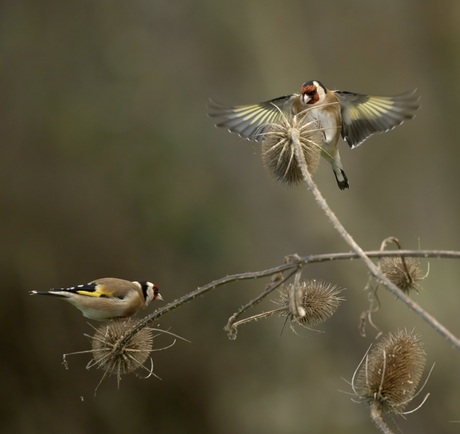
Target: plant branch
{"points": [[376, 416], [294, 262], [231, 327], [433, 322]]}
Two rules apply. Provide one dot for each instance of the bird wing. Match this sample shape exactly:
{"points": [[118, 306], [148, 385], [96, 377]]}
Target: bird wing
{"points": [[94, 289], [251, 121], [365, 115], [91, 289]]}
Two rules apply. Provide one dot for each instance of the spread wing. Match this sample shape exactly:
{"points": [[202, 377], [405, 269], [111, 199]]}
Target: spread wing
{"points": [[365, 115], [251, 121]]}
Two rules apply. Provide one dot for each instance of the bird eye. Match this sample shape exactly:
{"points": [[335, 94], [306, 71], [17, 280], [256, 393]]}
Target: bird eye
{"points": [[312, 92]]}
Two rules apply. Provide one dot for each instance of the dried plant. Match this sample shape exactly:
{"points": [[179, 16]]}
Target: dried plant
{"points": [[278, 151], [120, 347], [306, 303], [405, 273], [130, 357], [389, 374], [309, 303]]}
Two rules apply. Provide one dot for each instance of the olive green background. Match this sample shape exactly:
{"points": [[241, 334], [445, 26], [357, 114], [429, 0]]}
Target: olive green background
{"points": [[110, 167]]}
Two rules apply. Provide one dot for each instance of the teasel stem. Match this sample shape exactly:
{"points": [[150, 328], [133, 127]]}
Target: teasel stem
{"points": [[376, 416], [257, 317], [374, 269], [294, 262], [231, 326], [388, 376], [303, 303]]}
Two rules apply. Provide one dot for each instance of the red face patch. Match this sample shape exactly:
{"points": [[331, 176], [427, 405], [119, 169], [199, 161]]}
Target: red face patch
{"points": [[311, 92]]}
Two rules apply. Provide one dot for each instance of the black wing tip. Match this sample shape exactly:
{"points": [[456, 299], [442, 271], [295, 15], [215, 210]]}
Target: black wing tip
{"points": [[350, 143], [408, 101], [223, 125]]}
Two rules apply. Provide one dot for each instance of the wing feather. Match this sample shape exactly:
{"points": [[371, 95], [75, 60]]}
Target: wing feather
{"points": [[92, 289], [365, 115], [251, 121]]}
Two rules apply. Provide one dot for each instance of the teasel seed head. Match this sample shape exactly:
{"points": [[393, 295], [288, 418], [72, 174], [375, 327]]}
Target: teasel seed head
{"points": [[117, 360], [278, 153], [389, 374], [309, 303], [405, 273]]}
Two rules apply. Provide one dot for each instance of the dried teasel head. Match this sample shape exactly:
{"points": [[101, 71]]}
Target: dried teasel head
{"points": [[123, 346], [116, 357], [309, 303], [389, 374], [278, 152], [405, 273]]}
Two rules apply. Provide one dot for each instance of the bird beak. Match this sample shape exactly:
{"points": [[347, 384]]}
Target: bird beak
{"points": [[305, 98], [159, 297]]}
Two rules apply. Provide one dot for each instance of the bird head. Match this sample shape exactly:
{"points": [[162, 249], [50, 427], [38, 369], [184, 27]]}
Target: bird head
{"points": [[312, 92], [150, 291]]}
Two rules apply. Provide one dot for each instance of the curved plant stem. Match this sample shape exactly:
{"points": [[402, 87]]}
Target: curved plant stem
{"points": [[433, 322], [294, 262], [231, 327], [376, 416]]}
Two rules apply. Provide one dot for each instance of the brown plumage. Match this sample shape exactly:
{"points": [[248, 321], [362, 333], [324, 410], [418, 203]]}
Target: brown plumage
{"points": [[108, 297]]}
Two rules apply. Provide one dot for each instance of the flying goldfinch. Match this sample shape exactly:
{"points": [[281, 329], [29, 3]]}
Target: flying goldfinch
{"points": [[335, 112]]}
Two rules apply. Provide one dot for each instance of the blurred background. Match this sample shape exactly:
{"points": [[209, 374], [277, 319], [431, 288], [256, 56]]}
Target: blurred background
{"points": [[110, 167]]}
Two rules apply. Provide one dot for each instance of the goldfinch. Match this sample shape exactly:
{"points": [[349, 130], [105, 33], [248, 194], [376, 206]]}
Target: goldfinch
{"points": [[335, 112], [107, 298]]}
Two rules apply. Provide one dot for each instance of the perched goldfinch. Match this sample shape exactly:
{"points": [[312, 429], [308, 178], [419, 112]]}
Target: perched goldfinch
{"points": [[334, 112], [107, 298]]}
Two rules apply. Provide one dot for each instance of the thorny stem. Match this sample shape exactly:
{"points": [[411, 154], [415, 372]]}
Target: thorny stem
{"points": [[376, 416], [374, 269], [231, 327], [258, 316], [294, 263]]}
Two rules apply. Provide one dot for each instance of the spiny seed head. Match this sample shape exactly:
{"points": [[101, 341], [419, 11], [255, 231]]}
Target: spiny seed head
{"points": [[391, 371], [405, 273], [107, 354], [278, 152], [310, 303]]}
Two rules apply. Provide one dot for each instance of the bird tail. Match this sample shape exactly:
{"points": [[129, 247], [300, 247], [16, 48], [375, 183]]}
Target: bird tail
{"points": [[337, 168], [54, 294], [342, 180]]}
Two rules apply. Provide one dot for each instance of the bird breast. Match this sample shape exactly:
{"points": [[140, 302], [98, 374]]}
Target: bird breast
{"points": [[328, 120]]}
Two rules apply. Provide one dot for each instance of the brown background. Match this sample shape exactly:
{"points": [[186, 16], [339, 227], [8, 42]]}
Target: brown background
{"points": [[110, 167]]}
